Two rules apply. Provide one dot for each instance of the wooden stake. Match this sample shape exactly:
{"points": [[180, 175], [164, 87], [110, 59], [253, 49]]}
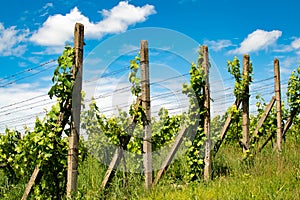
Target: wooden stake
{"points": [[225, 128], [113, 165], [147, 147], [263, 118], [170, 155], [278, 104], [245, 104], [76, 108], [120, 150], [207, 158], [287, 125], [289, 122], [31, 182]]}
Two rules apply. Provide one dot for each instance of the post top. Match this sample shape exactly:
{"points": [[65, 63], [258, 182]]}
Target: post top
{"points": [[246, 56], [144, 51], [78, 24]]}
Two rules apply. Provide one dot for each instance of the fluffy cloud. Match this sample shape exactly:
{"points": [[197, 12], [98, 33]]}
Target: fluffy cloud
{"points": [[282, 48], [296, 43], [218, 45], [258, 40], [11, 41], [58, 29]]}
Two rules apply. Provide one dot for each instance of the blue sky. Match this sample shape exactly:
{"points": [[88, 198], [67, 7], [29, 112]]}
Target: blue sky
{"points": [[34, 32]]}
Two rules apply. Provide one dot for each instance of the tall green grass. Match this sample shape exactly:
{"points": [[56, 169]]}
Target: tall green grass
{"points": [[8, 190], [266, 176]]}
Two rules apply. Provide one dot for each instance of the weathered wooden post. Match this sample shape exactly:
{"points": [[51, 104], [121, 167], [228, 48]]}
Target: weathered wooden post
{"points": [[207, 158], [278, 104], [147, 146], [245, 103], [76, 108]]}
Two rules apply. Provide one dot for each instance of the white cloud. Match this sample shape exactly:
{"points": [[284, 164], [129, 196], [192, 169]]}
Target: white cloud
{"points": [[11, 41], [15, 112], [218, 45], [50, 50], [22, 64], [47, 5], [121, 16], [296, 43], [289, 61], [257, 40], [283, 48], [285, 71], [58, 29], [44, 11], [126, 48], [46, 78], [34, 59], [92, 61]]}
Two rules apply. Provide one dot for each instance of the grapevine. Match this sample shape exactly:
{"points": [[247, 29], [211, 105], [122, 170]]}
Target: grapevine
{"points": [[44, 146], [241, 81], [196, 112], [105, 133]]}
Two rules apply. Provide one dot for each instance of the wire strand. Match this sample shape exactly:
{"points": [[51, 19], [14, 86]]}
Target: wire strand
{"points": [[27, 70]]}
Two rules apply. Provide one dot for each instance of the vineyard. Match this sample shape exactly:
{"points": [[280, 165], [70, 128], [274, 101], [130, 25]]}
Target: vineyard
{"points": [[77, 152]]}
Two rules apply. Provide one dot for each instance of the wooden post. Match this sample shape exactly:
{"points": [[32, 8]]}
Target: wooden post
{"points": [[147, 147], [76, 108], [278, 104], [245, 104], [207, 158]]}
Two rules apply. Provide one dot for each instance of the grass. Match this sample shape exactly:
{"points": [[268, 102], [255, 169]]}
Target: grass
{"points": [[10, 191], [266, 176]]}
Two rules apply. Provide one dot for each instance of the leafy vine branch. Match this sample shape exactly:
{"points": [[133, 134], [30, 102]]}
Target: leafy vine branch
{"points": [[196, 112], [293, 91], [134, 79], [241, 80]]}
